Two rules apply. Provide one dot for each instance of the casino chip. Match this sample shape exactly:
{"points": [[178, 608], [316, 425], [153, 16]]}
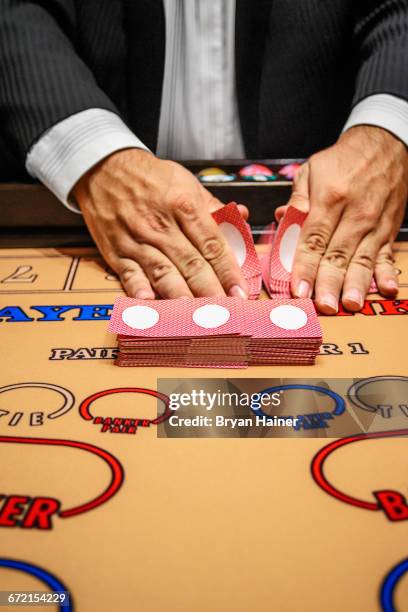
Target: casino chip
{"points": [[289, 171], [257, 172], [215, 175]]}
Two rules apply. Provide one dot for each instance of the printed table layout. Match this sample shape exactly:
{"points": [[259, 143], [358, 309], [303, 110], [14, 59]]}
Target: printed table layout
{"points": [[97, 500]]}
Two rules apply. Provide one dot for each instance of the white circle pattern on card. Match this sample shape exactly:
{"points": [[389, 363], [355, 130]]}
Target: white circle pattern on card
{"points": [[140, 317], [235, 241], [287, 247], [211, 316], [287, 316]]}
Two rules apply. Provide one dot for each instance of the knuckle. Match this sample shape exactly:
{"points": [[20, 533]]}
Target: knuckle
{"points": [[127, 272], [370, 216], [213, 248], [336, 194], [158, 221], [193, 266], [365, 260], [316, 242], [337, 258], [183, 205], [159, 270], [363, 217], [385, 258]]}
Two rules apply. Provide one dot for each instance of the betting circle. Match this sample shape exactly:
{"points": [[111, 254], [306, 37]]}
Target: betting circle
{"points": [[390, 584], [339, 403], [319, 459], [68, 397]]}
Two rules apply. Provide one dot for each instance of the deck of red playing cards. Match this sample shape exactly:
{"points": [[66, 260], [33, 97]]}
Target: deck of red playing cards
{"points": [[238, 235], [215, 332], [277, 263]]}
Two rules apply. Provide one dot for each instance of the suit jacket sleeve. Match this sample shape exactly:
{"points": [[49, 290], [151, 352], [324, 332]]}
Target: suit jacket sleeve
{"points": [[42, 78], [381, 37]]}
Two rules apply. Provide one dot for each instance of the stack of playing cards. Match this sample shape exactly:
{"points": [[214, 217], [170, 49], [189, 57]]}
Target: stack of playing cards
{"points": [[239, 238], [283, 331], [277, 263], [215, 332]]}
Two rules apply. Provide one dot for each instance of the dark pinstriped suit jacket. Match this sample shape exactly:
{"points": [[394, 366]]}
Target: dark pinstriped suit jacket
{"points": [[301, 64]]}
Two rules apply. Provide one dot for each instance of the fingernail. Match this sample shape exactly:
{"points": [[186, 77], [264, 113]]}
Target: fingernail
{"points": [[355, 296], [237, 291], [303, 289], [392, 285], [144, 294], [331, 301]]}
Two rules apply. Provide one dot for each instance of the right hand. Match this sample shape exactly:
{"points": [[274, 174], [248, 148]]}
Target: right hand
{"points": [[151, 220]]}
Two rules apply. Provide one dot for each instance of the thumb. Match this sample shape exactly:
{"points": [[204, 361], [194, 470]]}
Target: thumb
{"points": [[244, 212], [300, 194], [280, 212], [300, 191], [214, 204]]}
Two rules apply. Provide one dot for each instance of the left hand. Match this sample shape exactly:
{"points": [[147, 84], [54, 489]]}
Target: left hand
{"points": [[356, 191]]}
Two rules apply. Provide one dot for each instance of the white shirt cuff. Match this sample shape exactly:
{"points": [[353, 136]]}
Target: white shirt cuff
{"points": [[382, 110], [73, 146]]}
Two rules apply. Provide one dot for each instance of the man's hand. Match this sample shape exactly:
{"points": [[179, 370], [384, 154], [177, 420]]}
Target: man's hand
{"points": [[152, 224], [356, 192]]}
